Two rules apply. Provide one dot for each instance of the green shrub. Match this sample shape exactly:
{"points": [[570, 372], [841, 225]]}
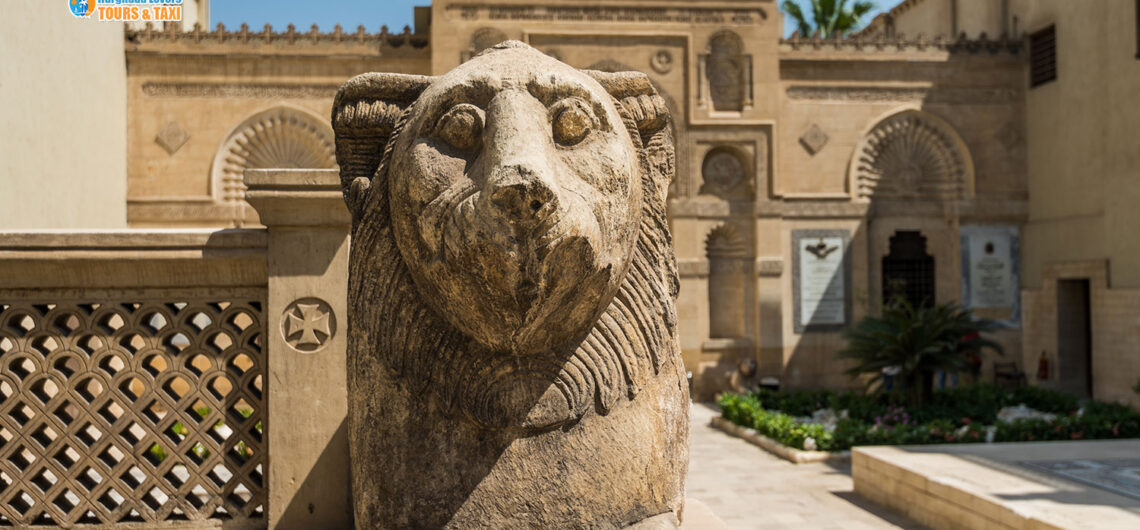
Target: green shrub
{"points": [[978, 403], [865, 407], [956, 415], [746, 410], [1043, 399]]}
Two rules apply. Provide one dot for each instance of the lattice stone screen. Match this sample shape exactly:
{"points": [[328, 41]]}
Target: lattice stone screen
{"points": [[121, 412]]}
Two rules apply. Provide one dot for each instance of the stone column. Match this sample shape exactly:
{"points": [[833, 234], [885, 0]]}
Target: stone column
{"points": [[307, 253]]}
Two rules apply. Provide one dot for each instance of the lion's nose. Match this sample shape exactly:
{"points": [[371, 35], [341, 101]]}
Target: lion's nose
{"points": [[522, 195]]}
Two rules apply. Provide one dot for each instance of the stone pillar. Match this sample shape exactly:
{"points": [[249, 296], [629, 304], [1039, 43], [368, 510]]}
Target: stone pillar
{"points": [[308, 270]]}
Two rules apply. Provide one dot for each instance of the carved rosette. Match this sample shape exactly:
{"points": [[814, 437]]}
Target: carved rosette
{"points": [[912, 155], [725, 175], [280, 137]]}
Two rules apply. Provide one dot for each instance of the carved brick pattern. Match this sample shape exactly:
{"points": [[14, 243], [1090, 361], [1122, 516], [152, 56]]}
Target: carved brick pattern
{"points": [[685, 15], [958, 96], [230, 90], [131, 412], [900, 43], [383, 39]]}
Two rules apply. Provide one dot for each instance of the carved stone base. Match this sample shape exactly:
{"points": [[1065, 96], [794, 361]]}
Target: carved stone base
{"points": [[427, 471]]}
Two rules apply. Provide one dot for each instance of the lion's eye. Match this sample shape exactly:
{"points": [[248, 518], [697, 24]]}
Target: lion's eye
{"points": [[572, 121], [461, 127]]}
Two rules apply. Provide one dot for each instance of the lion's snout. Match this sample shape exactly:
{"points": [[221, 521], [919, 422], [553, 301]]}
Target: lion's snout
{"points": [[522, 196]]}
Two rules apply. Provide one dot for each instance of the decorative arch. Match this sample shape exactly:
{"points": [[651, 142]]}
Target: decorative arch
{"points": [[725, 241], [725, 42], [281, 137], [912, 155]]}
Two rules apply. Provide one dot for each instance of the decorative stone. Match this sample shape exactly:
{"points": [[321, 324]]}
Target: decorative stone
{"points": [[1008, 136], [172, 137], [661, 62], [281, 137], [912, 155], [813, 139], [308, 324], [513, 358], [723, 174]]}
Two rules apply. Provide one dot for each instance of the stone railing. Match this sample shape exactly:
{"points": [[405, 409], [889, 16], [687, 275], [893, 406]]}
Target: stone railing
{"points": [[188, 378]]}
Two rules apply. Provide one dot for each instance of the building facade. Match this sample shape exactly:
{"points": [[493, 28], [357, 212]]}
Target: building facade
{"points": [[814, 178]]}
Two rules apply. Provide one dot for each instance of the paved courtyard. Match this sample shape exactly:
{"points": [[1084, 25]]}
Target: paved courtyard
{"points": [[749, 488]]}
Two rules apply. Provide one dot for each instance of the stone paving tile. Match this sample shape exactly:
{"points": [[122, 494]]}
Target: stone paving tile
{"points": [[749, 488]]}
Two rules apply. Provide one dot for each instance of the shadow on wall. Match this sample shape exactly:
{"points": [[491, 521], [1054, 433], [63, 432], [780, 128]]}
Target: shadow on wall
{"points": [[829, 294], [306, 508]]}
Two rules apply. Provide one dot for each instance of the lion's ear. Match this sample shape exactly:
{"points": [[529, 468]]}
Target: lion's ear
{"points": [[365, 113], [637, 95]]}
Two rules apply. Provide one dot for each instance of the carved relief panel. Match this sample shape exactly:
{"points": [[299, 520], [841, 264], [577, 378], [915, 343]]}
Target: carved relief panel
{"points": [[725, 74]]}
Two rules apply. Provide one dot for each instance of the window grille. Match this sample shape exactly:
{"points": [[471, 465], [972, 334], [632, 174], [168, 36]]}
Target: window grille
{"points": [[1043, 56], [908, 271]]}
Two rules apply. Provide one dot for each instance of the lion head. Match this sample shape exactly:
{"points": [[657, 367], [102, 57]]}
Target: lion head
{"points": [[509, 253]]}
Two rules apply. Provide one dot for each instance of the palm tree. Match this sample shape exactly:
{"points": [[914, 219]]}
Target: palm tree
{"points": [[913, 343], [830, 17]]}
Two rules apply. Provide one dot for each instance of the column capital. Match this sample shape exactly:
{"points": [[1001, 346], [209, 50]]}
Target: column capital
{"points": [[297, 197]]}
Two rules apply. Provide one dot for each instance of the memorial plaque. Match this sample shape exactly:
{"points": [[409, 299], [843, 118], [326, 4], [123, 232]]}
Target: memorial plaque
{"points": [[989, 264], [820, 278]]}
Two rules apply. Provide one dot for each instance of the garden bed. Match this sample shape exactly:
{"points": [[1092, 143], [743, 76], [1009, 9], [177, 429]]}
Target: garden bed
{"points": [[796, 456], [828, 422]]}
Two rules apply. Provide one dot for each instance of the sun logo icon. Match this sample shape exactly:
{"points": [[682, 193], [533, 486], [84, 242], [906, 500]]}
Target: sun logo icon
{"points": [[82, 8]]}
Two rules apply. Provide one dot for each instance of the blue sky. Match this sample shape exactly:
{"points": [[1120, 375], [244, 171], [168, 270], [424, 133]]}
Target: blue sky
{"points": [[350, 13]]}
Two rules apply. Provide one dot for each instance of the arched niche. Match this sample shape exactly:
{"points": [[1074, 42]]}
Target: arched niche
{"points": [[912, 155], [726, 173], [728, 72], [727, 251], [280, 137]]}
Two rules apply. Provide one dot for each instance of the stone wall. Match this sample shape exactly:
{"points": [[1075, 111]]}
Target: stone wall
{"points": [[63, 150], [205, 105], [769, 136]]}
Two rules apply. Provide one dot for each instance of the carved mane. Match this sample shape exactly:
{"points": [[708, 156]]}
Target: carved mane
{"points": [[630, 343]]}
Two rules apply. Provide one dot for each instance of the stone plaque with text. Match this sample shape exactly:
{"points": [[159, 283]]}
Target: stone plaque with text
{"points": [[990, 285], [821, 279]]}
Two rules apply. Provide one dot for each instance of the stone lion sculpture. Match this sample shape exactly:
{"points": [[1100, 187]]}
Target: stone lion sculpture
{"points": [[513, 355]]}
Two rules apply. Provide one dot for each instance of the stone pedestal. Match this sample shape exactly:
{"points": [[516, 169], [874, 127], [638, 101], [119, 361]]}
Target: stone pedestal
{"points": [[306, 329]]}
